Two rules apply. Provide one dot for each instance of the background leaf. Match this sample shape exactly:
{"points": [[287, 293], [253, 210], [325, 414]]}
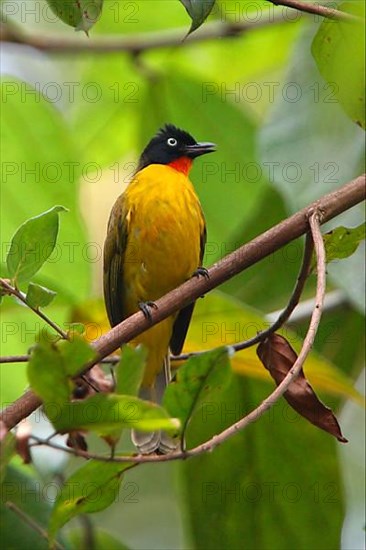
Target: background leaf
{"points": [[338, 49]]}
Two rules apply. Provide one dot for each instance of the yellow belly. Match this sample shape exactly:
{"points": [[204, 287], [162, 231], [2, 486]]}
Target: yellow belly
{"points": [[165, 222]]}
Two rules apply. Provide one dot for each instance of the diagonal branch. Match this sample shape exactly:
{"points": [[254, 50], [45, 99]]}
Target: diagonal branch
{"points": [[247, 255], [272, 398]]}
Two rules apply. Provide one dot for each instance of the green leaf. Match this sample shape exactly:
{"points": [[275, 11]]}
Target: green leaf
{"points": [[39, 296], [198, 10], [104, 412], [48, 379], [32, 244], [80, 14], [260, 476], [90, 489], [200, 380], [75, 354], [342, 242], [7, 451], [338, 49], [130, 370]]}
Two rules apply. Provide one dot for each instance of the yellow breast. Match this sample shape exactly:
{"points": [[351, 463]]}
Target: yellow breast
{"points": [[165, 222]]}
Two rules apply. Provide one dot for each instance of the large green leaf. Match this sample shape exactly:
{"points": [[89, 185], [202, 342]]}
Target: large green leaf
{"points": [[279, 466], [339, 51], [104, 413], [32, 244], [309, 147], [92, 488]]}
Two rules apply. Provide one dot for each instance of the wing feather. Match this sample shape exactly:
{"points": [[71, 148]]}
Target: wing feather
{"points": [[114, 257], [181, 324]]}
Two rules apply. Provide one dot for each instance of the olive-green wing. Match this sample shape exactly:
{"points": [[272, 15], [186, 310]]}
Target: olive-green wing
{"points": [[114, 256], [183, 319]]}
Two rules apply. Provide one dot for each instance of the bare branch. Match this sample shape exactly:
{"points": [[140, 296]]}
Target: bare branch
{"points": [[247, 255], [317, 9]]}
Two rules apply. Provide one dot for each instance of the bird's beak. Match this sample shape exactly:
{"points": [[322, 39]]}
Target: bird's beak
{"points": [[201, 148]]}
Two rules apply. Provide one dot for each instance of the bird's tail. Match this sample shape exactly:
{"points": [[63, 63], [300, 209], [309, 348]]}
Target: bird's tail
{"points": [[150, 442]]}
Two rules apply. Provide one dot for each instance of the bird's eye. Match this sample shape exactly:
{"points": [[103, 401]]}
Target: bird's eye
{"points": [[172, 142]]}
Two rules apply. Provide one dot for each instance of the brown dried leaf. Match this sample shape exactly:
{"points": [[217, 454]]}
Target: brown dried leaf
{"points": [[76, 440], [278, 357]]}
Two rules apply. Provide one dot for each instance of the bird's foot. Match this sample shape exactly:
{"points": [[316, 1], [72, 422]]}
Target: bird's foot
{"points": [[146, 308], [201, 272]]}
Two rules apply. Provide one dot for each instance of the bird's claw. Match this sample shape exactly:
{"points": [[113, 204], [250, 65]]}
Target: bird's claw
{"points": [[201, 272], [145, 307]]}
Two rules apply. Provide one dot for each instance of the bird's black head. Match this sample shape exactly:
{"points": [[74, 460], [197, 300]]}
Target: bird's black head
{"points": [[171, 144]]}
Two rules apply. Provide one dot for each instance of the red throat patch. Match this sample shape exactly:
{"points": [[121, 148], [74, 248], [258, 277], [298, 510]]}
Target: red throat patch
{"points": [[183, 164]]}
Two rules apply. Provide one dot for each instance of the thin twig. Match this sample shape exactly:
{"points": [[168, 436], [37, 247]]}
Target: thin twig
{"points": [[134, 44], [247, 255], [22, 297], [317, 9], [111, 359], [14, 358], [32, 523]]}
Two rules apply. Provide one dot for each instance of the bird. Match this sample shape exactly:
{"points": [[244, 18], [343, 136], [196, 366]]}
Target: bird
{"points": [[155, 241]]}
